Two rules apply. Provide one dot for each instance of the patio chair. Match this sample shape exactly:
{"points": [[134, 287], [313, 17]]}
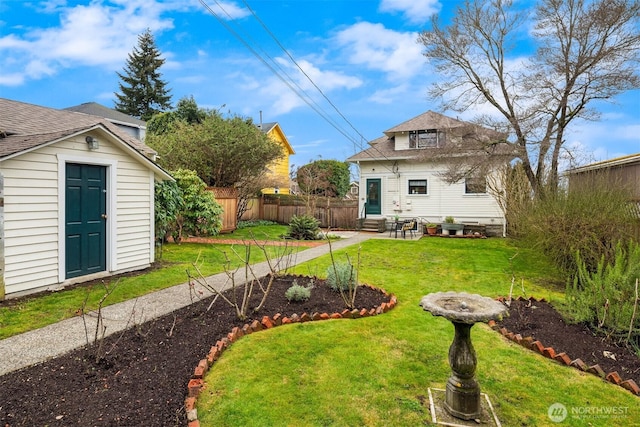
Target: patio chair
{"points": [[411, 226], [395, 227]]}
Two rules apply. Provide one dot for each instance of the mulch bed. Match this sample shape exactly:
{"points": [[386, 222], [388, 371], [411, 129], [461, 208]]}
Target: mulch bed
{"points": [[143, 380], [539, 320]]}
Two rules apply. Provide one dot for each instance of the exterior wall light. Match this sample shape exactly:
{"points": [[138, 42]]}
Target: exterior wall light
{"points": [[92, 143]]}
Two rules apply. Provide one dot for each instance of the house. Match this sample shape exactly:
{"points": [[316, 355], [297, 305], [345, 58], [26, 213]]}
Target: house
{"points": [[279, 171], [354, 191], [135, 127], [411, 172], [621, 172], [77, 199]]}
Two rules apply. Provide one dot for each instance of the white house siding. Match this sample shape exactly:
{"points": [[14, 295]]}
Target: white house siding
{"points": [[442, 199], [32, 220]]}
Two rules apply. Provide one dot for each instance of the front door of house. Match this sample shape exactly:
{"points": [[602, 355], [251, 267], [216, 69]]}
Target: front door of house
{"points": [[373, 196], [86, 219]]}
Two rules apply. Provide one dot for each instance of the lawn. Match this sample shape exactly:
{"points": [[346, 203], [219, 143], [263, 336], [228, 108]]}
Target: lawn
{"points": [[260, 230], [376, 371]]}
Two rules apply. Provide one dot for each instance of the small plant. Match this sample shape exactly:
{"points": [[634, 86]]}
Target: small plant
{"points": [[449, 219], [304, 227], [607, 298], [297, 293], [341, 276], [432, 225]]}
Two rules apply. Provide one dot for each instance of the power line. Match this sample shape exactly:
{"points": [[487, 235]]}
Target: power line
{"points": [[288, 81]]}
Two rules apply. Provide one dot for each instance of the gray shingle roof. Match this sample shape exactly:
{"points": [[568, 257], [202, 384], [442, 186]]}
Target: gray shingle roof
{"points": [[428, 120], [266, 127], [95, 109], [383, 148], [26, 126]]}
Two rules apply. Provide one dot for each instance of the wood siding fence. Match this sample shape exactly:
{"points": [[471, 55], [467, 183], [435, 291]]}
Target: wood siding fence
{"points": [[333, 213]]}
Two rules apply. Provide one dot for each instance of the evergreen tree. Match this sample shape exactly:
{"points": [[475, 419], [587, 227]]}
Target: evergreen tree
{"points": [[143, 92]]}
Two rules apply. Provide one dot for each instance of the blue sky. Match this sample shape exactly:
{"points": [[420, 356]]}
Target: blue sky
{"points": [[366, 70]]}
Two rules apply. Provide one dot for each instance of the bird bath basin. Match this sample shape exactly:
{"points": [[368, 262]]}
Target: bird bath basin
{"points": [[462, 396]]}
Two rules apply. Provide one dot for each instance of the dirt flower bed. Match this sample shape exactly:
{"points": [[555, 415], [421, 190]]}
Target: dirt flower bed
{"points": [[539, 320], [143, 380]]}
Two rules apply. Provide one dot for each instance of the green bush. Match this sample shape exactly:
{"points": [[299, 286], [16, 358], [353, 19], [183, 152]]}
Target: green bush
{"points": [[304, 227], [341, 276], [606, 298], [297, 293], [199, 213], [185, 207]]}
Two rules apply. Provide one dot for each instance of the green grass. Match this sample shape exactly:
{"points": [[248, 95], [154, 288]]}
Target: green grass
{"points": [[376, 371], [260, 232], [42, 310]]}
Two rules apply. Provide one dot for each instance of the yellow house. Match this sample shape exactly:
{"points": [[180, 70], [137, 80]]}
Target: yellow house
{"points": [[279, 170]]}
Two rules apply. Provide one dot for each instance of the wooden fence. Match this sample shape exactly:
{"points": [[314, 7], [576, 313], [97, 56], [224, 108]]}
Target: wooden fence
{"points": [[228, 199], [333, 213]]}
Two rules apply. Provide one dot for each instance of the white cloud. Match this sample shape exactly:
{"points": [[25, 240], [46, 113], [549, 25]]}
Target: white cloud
{"points": [[228, 10], [395, 53], [388, 95], [98, 34], [415, 11], [283, 99]]}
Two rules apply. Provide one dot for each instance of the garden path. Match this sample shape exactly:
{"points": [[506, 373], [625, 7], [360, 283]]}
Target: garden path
{"points": [[54, 340]]}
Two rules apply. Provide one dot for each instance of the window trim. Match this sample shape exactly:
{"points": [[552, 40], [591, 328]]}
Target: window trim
{"points": [[475, 193], [426, 186], [417, 141]]}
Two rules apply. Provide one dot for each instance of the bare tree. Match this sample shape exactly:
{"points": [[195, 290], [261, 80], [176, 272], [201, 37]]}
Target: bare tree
{"points": [[585, 51]]}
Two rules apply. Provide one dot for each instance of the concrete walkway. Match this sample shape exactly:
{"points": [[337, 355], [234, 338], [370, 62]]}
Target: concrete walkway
{"points": [[54, 340]]}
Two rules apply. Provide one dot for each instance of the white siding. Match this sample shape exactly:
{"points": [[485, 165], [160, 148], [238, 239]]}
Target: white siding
{"points": [[33, 212], [442, 199]]}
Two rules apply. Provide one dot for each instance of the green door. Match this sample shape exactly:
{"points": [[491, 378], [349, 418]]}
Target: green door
{"points": [[373, 196], [86, 225]]}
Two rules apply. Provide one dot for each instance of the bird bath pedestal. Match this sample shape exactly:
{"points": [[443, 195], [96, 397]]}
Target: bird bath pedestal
{"points": [[462, 396]]}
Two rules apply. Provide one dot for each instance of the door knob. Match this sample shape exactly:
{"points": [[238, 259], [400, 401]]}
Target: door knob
{"points": [[104, 216]]}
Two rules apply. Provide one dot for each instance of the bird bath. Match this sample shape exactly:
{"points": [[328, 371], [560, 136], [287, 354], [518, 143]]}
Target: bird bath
{"points": [[462, 396]]}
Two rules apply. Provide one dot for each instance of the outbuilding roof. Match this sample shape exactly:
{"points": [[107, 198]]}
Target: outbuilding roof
{"points": [[24, 127]]}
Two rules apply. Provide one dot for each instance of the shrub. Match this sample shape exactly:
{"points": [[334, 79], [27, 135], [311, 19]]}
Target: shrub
{"points": [[591, 219], [341, 276], [200, 214], [304, 227], [186, 207], [297, 293], [606, 298]]}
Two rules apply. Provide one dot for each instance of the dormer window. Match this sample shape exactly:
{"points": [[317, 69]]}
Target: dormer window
{"points": [[430, 138]]}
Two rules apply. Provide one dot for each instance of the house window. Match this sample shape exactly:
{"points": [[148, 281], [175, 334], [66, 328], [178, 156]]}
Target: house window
{"points": [[417, 186], [430, 138], [475, 185]]}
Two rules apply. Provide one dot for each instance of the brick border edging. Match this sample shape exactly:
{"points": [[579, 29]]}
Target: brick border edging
{"points": [[562, 358], [197, 379]]}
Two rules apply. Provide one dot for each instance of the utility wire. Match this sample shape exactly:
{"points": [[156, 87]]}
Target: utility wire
{"points": [[290, 82], [355, 143], [306, 98]]}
